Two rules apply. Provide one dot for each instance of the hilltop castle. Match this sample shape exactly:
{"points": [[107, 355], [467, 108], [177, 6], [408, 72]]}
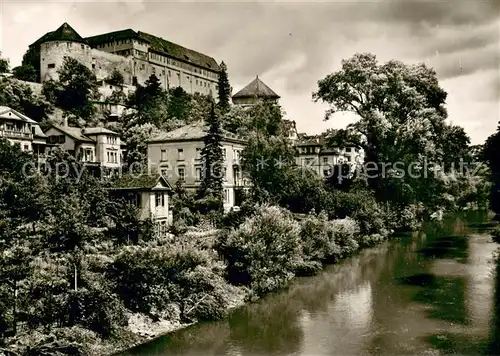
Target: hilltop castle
{"points": [[135, 54]]}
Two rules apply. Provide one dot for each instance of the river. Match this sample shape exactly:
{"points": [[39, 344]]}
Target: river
{"points": [[432, 293]]}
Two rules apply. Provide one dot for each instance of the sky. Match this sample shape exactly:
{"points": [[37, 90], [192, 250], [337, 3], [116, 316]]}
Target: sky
{"points": [[293, 44]]}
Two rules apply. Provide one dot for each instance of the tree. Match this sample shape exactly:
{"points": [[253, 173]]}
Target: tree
{"points": [[401, 119], [20, 97], [150, 102], [75, 91], [491, 152], [32, 58], [211, 153], [178, 104], [224, 89], [27, 73], [115, 78], [4, 64]]}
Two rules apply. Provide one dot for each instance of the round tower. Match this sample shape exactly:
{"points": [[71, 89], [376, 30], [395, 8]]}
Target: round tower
{"points": [[63, 42]]}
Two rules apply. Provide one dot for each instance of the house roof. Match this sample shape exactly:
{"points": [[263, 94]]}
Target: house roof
{"points": [[194, 131], [98, 131], [8, 113], [39, 132], [139, 182], [64, 33], [160, 45], [256, 88], [80, 134]]}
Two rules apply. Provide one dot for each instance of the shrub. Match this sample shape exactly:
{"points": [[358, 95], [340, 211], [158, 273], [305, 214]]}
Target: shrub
{"points": [[346, 232], [263, 251], [495, 234]]}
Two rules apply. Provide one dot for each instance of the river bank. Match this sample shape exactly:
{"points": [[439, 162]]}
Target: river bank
{"points": [[422, 294]]}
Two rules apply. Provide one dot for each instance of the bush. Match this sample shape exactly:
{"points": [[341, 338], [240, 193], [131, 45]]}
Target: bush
{"points": [[59, 342], [263, 251], [495, 234]]}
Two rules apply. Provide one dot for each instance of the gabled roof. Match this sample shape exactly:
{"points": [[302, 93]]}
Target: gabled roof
{"points": [[11, 114], [256, 89], [74, 132], [194, 131], [98, 131], [160, 45], [64, 33], [39, 132], [140, 182], [82, 134]]}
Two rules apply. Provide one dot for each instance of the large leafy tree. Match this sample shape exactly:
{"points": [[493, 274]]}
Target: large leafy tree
{"points": [[20, 97], [74, 92], [212, 157], [224, 89], [25, 72], [401, 119], [150, 102], [490, 154], [4, 64]]}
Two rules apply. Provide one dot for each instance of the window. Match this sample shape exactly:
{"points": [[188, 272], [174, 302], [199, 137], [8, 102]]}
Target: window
{"points": [[83, 46], [180, 154], [163, 155], [61, 139], [325, 159], [181, 174], [224, 173], [349, 158], [198, 153], [198, 173], [51, 65], [134, 199], [160, 199], [109, 157], [226, 195], [26, 147], [93, 65], [348, 149]]}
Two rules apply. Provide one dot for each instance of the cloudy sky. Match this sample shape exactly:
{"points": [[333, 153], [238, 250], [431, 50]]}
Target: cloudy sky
{"points": [[291, 45]]}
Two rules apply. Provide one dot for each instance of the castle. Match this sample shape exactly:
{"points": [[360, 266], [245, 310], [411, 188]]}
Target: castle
{"points": [[135, 54]]}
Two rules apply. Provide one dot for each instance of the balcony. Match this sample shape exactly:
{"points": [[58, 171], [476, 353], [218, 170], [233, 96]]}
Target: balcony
{"points": [[19, 135]]}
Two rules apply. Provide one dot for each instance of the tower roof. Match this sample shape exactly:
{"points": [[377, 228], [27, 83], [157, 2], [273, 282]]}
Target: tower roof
{"points": [[258, 89], [64, 33]]}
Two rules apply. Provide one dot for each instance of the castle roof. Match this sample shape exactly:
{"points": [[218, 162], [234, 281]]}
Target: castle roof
{"points": [[192, 132], [160, 45], [64, 33], [258, 89]]}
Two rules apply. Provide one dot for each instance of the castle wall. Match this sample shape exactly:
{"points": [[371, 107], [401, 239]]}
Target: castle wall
{"points": [[104, 63], [52, 57]]}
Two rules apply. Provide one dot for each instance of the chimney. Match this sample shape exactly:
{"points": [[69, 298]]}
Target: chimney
{"points": [[65, 121]]}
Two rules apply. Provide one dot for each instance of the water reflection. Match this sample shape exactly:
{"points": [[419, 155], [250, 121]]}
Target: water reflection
{"points": [[417, 294]]}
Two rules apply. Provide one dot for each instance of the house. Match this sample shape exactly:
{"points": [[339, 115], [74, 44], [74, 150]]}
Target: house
{"points": [[150, 193], [20, 129], [254, 92], [94, 145], [314, 153], [177, 154]]}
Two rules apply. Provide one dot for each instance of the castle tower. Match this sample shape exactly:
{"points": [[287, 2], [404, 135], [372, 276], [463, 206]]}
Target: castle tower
{"points": [[63, 42], [253, 92]]}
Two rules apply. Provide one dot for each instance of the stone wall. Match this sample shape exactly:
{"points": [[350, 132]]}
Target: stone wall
{"points": [[104, 63]]}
